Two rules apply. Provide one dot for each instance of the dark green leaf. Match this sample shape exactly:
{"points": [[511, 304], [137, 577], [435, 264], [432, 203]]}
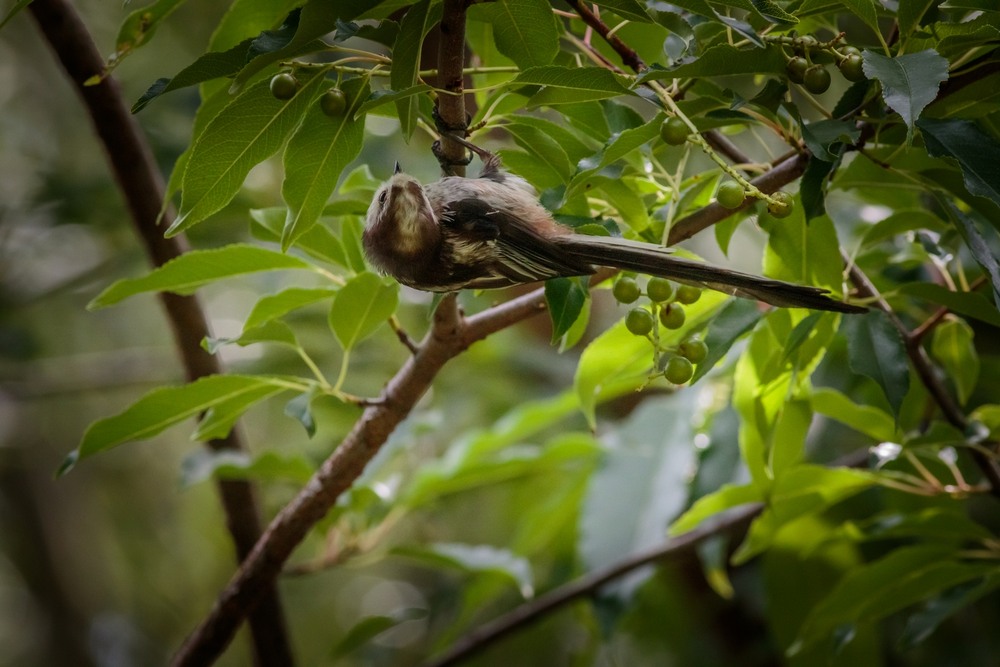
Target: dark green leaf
{"points": [[866, 10], [969, 304], [13, 11], [380, 97], [975, 239], [909, 82], [812, 188], [564, 85], [975, 151], [565, 298], [524, 31], [735, 319], [823, 137], [723, 60], [203, 464], [632, 10], [300, 409], [317, 154], [372, 626], [406, 61], [876, 350], [952, 346], [922, 623]]}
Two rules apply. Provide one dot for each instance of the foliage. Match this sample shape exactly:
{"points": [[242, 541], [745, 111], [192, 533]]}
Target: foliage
{"points": [[899, 198]]}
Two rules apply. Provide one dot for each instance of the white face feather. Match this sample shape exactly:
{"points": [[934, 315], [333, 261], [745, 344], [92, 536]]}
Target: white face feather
{"points": [[403, 199]]}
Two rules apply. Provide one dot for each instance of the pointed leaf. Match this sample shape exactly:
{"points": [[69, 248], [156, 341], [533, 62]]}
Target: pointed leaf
{"points": [[406, 60], [975, 151], [273, 306], [524, 31], [315, 157], [167, 406], [866, 419], [248, 131], [876, 350], [952, 346], [980, 247], [360, 307], [909, 82], [735, 319], [197, 268], [565, 298]]}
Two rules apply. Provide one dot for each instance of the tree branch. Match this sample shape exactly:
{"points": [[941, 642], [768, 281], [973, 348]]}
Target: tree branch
{"points": [[478, 639], [451, 72], [450, 335], [928, 375], [141, 186]]}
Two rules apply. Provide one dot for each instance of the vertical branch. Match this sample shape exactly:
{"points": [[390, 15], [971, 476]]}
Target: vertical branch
{"points": [[142, 188], [451, 105]]}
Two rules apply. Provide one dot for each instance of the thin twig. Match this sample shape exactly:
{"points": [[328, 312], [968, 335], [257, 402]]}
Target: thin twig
{"points": [[142, 188]]}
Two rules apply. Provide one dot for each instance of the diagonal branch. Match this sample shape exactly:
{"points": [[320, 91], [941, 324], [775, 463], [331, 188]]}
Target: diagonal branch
{"points": [[140, 184]]}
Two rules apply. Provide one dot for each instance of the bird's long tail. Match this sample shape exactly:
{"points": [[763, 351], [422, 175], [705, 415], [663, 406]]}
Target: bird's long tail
{"points": [[658, 261]]}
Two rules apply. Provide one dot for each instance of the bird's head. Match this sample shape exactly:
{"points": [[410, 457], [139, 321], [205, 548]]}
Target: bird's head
{"points": [[401, 203]]}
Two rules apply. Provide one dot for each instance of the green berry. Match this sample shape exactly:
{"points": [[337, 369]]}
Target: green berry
{"points": [[674, 131], [639, 321], [672, 316], [850, 51], [678, 371], [694, 350], [284, 86], [807, 42], [783, 208], [816, 79], [730, 194], [796, 69], [626, 290], [852, 67], [688, 294], [659, 289], [333, 102]]}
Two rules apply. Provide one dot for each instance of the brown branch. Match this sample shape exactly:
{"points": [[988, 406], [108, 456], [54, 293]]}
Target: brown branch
{"points": [[782, 174], [451, 63], [478, 639], [927, 374], [141, 186], [449, 336]]}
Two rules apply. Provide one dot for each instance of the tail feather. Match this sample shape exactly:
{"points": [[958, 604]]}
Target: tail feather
{"points": [[658, 261]]}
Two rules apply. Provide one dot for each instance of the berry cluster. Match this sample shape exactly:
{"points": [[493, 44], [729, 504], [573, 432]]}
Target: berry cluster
{"points": [[667, 310], [801, 69], [333, 102]]}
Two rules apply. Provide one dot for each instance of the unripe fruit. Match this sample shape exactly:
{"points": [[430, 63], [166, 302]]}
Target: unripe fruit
{"points": [[674, 131], [284, 86], [639, 321], [807, 42], [659, 289], [694, 350], [333, 102], [626, 290], [796, 69], [852, 68], [688, 294], [672, 316], [678, 371], [816, 79], [783, 208], [850, 51], [730, 194]]}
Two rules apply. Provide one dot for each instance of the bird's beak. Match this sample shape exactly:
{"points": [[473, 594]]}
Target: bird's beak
{"points": [[397, 169]]}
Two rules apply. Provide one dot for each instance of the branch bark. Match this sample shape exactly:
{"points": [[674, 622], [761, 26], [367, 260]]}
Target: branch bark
{"points": [[142, 188]]}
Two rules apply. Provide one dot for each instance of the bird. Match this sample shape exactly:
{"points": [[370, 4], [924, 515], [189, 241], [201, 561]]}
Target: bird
{"points": [[492, 232]]}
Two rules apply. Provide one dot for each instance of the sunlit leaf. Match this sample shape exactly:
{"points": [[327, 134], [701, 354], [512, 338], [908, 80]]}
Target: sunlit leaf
{"points": [[197, 268], [867, 419], [276, 305]]}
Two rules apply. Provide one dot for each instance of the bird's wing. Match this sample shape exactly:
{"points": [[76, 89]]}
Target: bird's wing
{"points": [[520, 253]]}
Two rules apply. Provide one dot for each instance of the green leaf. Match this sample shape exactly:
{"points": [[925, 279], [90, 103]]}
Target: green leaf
{"points": [[167, 406], [866, 419], [276, 305], [478, 558], [542, 147], [866, 10], [910, 13], [974, 150], [735, 319], [969, 304], [318, 242], [922, 623], [640, 485], [612, 357], [300, 409], [139, 26], [524, 31], [185, 274], [723, 60], [372, 626], [203, 464], [619, 146], [14, 10], [728, 496], [380, 97], [909, 82], [246, 132], [564, 85], [565, 298], [274, 331], [406, 61], [980, 247], [219, 419], [900, 579], [315, 157], [632, 10], [208, 66], [360, 307], [952, 346], [876, 350]]}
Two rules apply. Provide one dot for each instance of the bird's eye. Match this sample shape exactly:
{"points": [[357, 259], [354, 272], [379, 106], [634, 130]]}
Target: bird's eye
{"points": [[381, 197]]}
